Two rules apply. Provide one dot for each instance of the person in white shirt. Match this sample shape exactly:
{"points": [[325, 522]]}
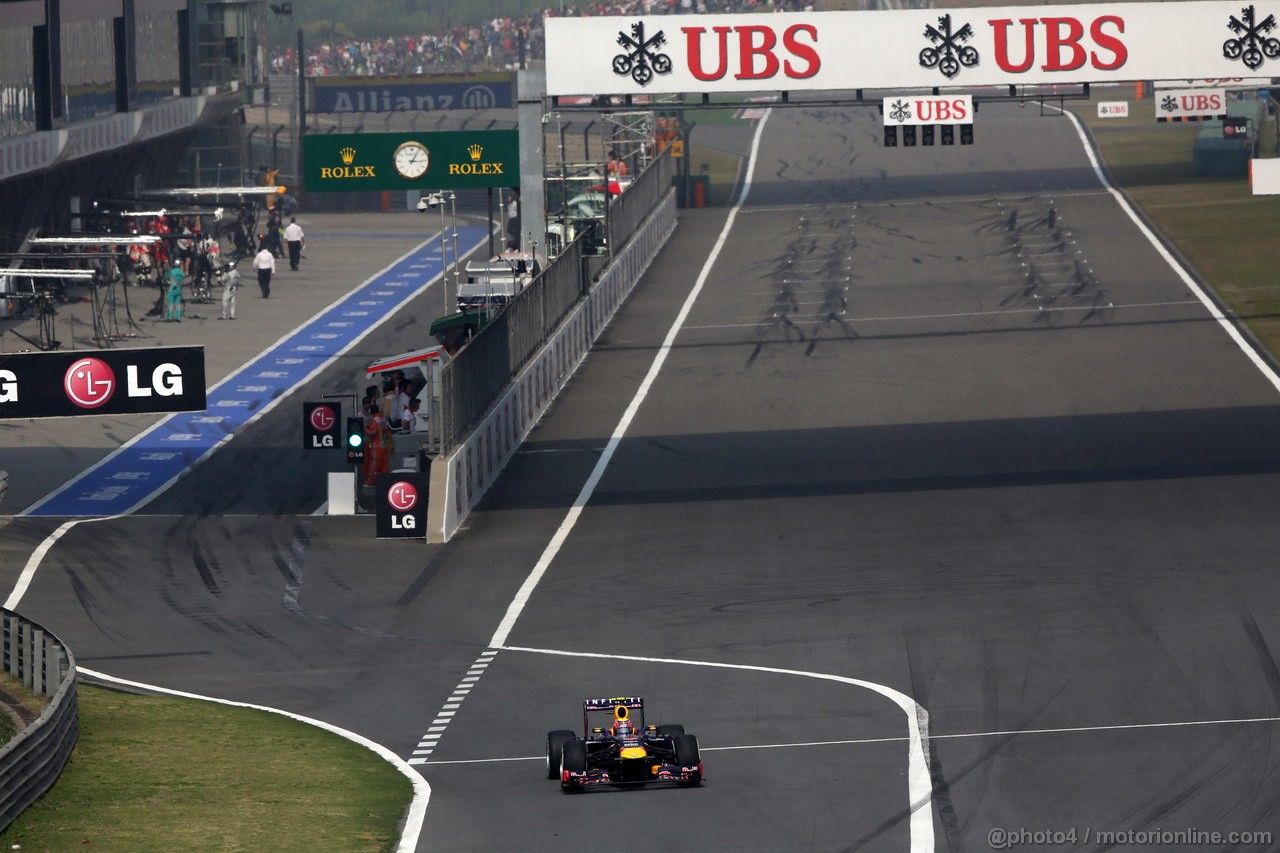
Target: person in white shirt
{"points": [[293, 236], [414, 420], [265, 263], [399, 403], [229, 294]]}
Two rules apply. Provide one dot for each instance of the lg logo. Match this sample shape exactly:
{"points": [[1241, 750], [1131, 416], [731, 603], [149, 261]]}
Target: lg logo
{"points": [[8, 386], [90, 382], [323, 420], [403, 497]]}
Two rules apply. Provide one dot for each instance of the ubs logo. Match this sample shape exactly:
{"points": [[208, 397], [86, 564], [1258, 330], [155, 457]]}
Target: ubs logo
{"points": [[641, 58], [89, 383], [402, 496]]}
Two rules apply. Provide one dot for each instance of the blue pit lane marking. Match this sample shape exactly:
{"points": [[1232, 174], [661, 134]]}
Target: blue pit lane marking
{"points": [[157, 457]]}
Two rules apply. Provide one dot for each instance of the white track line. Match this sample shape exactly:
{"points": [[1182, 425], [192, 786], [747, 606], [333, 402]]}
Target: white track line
{"points": [[932, 737], [919, 783], [967, 314], [427, 744], [236, 375], [920, 789], [421, 789], [37, 557], [1227, 325], [588, 488]]}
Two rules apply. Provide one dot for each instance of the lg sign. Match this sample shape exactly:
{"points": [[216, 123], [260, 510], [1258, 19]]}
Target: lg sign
{"points": [[90, 382], [401, 508], [320, 422], [45, 385], [402, 496], [8, 386]]}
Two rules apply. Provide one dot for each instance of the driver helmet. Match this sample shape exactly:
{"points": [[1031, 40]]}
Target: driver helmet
{"points": [[623, 728]]}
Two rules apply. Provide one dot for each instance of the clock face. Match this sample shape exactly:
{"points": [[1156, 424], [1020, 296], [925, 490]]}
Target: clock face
{"points": [[411, 160]]}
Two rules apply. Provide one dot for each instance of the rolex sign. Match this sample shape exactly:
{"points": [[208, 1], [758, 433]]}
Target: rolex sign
{"points": [[337, 162]]}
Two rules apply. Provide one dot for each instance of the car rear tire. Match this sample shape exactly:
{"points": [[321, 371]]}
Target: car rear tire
{"points": [[686, 749], [555, 744], [672, 729], [573, 758]]}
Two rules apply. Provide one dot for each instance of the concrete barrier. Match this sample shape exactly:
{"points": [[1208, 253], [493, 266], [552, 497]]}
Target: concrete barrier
{"points": [[459, 479]]}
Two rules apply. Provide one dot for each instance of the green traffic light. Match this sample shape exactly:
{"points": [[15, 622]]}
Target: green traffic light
{"points": [[355, 439]]}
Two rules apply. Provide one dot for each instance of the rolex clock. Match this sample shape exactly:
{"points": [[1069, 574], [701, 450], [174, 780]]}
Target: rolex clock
{"points": [[411, 160]]}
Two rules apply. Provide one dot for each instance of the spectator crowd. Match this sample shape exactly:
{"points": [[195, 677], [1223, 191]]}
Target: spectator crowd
{"points": [[497, 45]]}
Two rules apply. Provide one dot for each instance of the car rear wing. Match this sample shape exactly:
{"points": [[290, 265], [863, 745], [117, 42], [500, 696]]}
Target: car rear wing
{"points": [[631, 703]]}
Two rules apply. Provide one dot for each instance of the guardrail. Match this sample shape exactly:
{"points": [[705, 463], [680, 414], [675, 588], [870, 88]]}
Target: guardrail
{"points": [[32, 761]]}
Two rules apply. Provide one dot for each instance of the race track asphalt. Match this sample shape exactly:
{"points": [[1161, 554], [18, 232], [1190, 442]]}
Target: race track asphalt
{"points": [[940, 424]]}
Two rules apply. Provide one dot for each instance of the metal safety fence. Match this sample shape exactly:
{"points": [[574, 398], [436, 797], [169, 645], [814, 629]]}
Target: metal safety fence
{"points": [[474, 378], [629, 209], [33, 760]]}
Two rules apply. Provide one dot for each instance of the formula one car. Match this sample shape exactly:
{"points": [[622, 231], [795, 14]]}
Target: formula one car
{"points": [[627, 752]]}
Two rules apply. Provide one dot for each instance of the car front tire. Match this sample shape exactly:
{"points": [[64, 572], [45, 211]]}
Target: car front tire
{"points": [[555, 745]]}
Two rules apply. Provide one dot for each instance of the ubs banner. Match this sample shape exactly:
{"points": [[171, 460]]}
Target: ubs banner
{"points": [[402, 504], [419, 93], [102, 382], [448, 160], [911, 48]]}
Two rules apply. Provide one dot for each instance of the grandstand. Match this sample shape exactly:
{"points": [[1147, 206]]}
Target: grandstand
{"points": [[100, 98]]}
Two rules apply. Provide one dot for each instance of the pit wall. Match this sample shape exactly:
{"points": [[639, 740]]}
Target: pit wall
{"points": [[460, 479]]}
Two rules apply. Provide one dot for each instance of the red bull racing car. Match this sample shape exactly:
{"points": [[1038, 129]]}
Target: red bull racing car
{"points": [[625, 752]]}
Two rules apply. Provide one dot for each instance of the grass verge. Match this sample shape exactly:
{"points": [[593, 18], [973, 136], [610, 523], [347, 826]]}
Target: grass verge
{"points": [[1219, 226], [162, 774]]}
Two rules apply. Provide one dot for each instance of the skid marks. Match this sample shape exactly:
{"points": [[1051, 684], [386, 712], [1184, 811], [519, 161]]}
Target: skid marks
{"points": [[1049, 269], [808, 297]]}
